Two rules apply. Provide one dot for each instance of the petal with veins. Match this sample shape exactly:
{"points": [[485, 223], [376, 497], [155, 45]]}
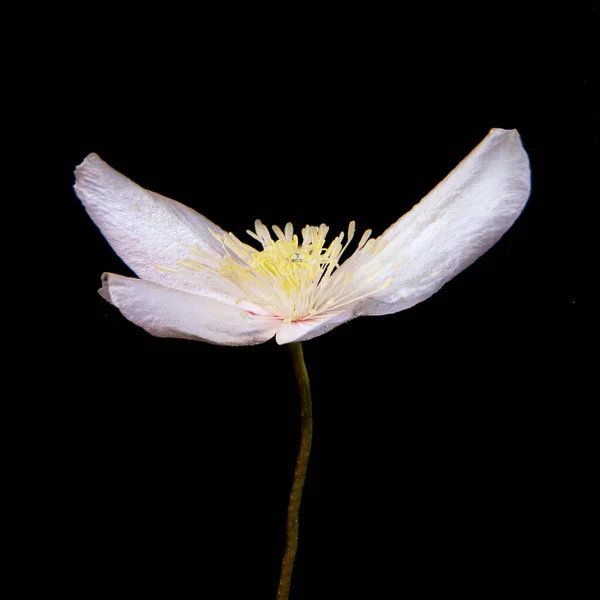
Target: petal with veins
{"points": [[166, 312], [452, 226], [145, 229]]}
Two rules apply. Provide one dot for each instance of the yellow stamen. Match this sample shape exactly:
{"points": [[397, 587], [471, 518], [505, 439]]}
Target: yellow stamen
{"points": [[293, 280]]}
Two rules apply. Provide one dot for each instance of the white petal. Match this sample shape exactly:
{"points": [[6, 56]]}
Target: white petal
{"points": [[301, 331], [145, 229], [166, 312], [453, 225]]}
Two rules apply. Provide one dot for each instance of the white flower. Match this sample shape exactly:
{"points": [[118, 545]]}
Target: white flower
{"points": [[201, 283]]}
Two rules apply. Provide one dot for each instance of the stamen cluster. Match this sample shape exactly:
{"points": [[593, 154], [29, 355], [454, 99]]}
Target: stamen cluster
{"points": [[291, 280]]}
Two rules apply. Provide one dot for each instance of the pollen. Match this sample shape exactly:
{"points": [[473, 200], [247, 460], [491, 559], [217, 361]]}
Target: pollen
{"points": [[293, 278]]}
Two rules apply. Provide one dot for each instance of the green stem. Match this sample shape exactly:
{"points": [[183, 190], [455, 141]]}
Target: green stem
{"points": [[300, 474]]}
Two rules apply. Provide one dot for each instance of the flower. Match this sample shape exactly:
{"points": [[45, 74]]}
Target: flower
{"points": [[199, 282]]}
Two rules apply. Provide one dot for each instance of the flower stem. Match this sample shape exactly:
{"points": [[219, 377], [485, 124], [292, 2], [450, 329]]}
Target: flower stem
{"points": [[300, 474]]}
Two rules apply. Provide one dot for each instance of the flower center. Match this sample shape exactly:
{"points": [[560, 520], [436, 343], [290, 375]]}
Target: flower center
{"points": [[290, 279]]}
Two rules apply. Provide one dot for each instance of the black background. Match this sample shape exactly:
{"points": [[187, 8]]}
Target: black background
{"points": [[164, 466]]}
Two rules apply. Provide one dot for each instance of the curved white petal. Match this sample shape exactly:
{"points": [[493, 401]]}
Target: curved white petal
{"points": [[145, 229], [301, 331], [452, 226], [166, 312]]}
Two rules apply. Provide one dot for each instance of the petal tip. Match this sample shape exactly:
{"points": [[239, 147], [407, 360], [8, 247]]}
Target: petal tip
{"points": [[104, 290], [509, 134], [511, 141], [84, 171], [499, 131], [90, 159]]}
